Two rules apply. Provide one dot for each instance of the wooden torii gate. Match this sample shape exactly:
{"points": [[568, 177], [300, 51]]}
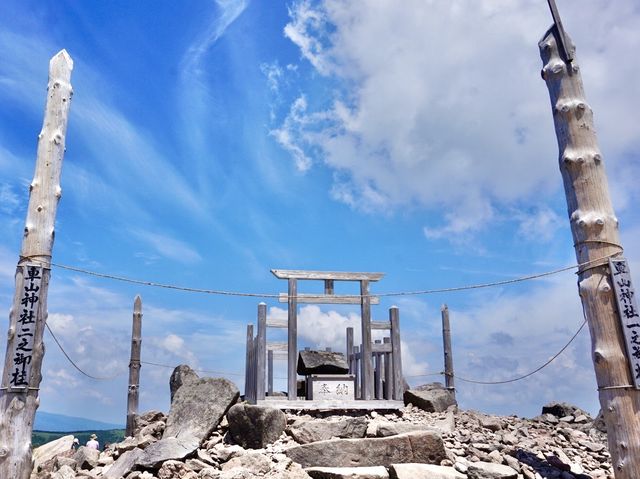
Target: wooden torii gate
{"points": [[258, 348]]}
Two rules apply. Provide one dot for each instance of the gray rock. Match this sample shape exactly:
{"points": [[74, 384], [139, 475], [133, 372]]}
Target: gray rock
{"points": [[181, 375], [147, 418], [124, 464], [253, 427], [491, 422], [562, 409], [322, 430], [51, 449], [488, 470], [65, 472], [423, 447], [376, 472], [198, 406], [170, 448], [386, 429], [430, 397], [86, 458], [175, 469], [65, 461], [321, 362], [253, 462], [423, 471]]}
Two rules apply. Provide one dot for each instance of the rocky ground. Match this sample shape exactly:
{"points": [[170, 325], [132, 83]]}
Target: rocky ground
{"points": [[227, 439]]}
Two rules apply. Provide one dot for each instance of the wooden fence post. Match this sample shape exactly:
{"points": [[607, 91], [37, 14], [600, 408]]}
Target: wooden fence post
{"points": [[398, 380], [270, 372], [27, 318], [247, 368], [292, 341], [366, 378], [448, 355], [388, 372], [261, 352], [134, 367], [350, 359], [595, 234]]}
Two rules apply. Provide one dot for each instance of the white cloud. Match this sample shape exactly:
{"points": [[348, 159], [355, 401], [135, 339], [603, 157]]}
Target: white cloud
{"points": [[447, 112], [170, 247]]}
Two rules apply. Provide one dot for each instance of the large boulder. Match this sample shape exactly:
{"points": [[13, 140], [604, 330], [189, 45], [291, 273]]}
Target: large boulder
{"points": [[150, 422], [321, 362], [432, 397], [181, 375], [198, 406], [253, 427], [170, 448], [51, 449], [423, 447], [124, 464], [322, 430], [86, 457]]}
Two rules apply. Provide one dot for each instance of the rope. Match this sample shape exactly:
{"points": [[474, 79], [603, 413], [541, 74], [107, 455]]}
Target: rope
{"points": [[357, 296], [108, 378], [532, 372]]}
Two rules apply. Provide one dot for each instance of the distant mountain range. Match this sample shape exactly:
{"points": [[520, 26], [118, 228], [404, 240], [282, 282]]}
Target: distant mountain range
{"points": [[46, 421]]}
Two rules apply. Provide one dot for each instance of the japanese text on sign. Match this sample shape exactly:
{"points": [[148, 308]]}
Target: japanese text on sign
{"points": [[629, 315], [25, 327], [333, 389]]}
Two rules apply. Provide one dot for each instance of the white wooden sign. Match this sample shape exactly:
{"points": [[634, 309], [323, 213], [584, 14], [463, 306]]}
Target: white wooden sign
{"points": [[629, 314], [332, 388], [26, 327]]}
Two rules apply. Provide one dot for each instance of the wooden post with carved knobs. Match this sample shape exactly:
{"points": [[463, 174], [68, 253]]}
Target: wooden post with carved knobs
{"points": [[595, 235], [25, 349], [134, 367]]}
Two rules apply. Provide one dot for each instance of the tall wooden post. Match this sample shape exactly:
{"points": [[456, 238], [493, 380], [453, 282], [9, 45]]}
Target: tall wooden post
{"points": [[292, 341], [350, 358], [270, 373], [366, 378], [388, 372], [134, 367], [448, 355], [261, 350], [398, 379], [247, 367], [595, 234], [25, 349]]}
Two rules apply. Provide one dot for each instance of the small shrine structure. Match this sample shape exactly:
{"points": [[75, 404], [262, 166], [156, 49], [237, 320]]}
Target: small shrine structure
{"points": [[372, 375]]}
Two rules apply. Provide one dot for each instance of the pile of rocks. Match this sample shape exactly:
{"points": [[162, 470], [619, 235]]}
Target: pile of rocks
{"points": [[209, 434]]}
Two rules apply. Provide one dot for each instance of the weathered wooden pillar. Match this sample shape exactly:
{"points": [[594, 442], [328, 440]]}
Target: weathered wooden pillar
{"points": [[292, 344], [134, 367], [350, 358], [377, 373], [261, 352], [357, 369], [448, 355], [388, 372], [595, 234], [25, 349], [398, 380], [247, 369], [270, 373], [366, 379]]}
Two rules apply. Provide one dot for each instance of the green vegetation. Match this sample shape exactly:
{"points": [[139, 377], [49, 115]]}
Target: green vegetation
{"points": [[38, 438]]}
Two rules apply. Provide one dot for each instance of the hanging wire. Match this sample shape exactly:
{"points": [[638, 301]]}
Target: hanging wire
{"points": [[528, 374], [107, 378], [356, 296]]}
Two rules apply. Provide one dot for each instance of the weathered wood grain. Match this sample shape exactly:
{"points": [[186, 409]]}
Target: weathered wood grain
{"points": [[134, 366]]}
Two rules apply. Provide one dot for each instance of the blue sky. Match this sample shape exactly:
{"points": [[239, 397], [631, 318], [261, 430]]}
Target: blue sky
{"points": [[210, 141]]}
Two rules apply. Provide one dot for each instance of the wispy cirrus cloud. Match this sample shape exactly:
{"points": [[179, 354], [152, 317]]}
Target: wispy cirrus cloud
{"points": [[169, 247]]}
